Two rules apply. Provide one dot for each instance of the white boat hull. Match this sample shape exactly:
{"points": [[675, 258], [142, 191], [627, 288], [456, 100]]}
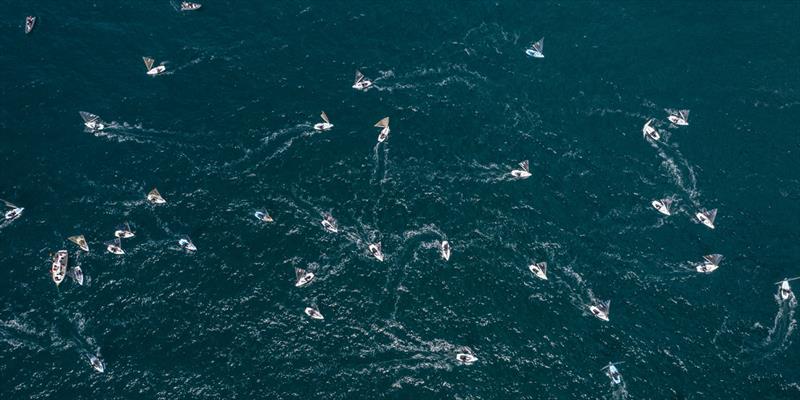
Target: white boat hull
{"points": [[707, 268], [314, 314], [704, 220], [538, 272], [533, 53], [363, 85], [115, 250], [323, 126], [305, 280], [660, 207], [13, 214], [157, 70], [465, 358], [677, 120], [598, 313], [445, 250], [520, 174], [329, 227]]}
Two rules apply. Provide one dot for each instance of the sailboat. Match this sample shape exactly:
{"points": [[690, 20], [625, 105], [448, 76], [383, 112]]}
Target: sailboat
{"points": [[785, 289], [329, 223], [522, 173], [187, 244], [375, 249], [536, 49], [91, 121], [466, 358], [326, 125], [303, 277], [361, 83], [80, 241], [662, 205], [313, 313], [188, 6], [707, 217], [649, 131], [601, 309], [155, 197], [445, 249], [30, 22], [263, 215], [153, 71], [58, 269], [77, 274], [14, 212], [97, 364], [124, 231], [384, 123], [680, 117], [539, 269], [710, 264], [115, 247], [613, 373]]}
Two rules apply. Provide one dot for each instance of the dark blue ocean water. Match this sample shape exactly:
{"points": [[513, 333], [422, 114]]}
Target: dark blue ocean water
{"points": [[228, 130]]}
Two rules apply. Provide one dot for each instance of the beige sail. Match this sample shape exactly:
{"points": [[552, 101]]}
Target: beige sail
{"points": [[148, 62], [325, 117], [382, 123], [80, 241]]}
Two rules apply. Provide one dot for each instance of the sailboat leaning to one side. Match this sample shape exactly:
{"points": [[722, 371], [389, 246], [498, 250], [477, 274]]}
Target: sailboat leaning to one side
{"points": [[91, 121], [536, 50], [151, 70]]}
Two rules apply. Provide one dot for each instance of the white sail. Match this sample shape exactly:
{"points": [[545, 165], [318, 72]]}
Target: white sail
{"points": [[325, 117], [88, 117], [383, 123], [525, 165], [155, 197], [9, 204], [538, 46], [711, 215], [299, 273], [359, 77], [713, 259], [684, 114], [148, 62]]}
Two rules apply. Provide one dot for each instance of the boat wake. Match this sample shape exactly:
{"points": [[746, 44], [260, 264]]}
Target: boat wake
{"points": [[783, 325]]}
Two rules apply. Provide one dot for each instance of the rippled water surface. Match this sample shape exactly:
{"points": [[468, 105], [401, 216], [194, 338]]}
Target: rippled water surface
{"points": [[228, 131]]}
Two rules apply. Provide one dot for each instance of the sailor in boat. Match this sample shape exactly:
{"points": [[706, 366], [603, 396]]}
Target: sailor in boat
{"points": [[445, 249], [325, 125], [124, 231], [613, 373], [187, 6], [710, 263], [601, 309], [153, 71], [14, 212], [187, 244], [375, 249], [77, 274], [536, 49], [707, 217], [313, 313], [662, 205], [681, 117], [263, 216], [539, 269], [97, 364], [522, 173], [361, 83], [91, 121], [30, 22], [155, 197], [784, 288], [329, 223], [649, 131], [115, 247], [383, 123], [80, 241], [466, 358], [59, 267], [302, 277]]}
